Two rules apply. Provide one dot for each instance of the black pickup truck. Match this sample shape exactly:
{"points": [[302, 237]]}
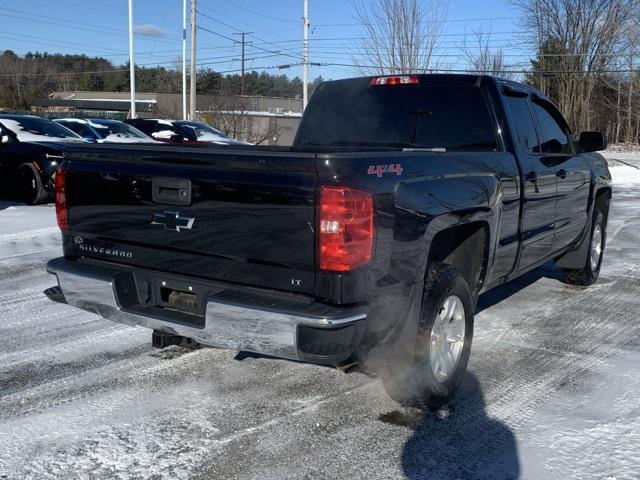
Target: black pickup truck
{"points": [[369, 240]]}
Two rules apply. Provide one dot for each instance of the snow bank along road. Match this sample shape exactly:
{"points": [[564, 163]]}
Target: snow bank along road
{"points": [[552, 389]]}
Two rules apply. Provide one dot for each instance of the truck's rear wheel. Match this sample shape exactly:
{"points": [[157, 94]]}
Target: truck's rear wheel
{"points": [[588, 274], [30, 188], [443, 343]]}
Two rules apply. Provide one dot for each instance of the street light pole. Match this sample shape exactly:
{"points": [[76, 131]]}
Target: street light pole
{"points": [[132, 65], [305, 64], [192, 90], [184, 59]]}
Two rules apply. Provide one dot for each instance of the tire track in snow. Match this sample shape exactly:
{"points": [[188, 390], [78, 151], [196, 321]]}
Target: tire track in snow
{"points": [[106, 333], [30, 234]]}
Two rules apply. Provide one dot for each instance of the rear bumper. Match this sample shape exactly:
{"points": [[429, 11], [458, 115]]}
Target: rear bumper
{"points": [[241, 319]]}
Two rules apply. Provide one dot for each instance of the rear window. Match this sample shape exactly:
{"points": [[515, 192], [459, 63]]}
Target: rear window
{"points": [[81, 129], [429, 116], [145, 127]]}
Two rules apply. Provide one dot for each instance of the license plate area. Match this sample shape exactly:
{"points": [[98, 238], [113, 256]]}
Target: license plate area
{"points": [[180, 296], [173, 298], [179, 300]]}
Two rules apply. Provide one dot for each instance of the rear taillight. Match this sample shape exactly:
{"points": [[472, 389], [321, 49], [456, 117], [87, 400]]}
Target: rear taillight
{"points": [[346, 228], [395, 80], [62, 214]]}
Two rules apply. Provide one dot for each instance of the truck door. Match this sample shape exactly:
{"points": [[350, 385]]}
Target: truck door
{"points": [[538, 181], [571, 170]]}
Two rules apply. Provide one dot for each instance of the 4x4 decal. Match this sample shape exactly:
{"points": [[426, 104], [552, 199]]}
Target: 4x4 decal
{"points": [[380, 170]]}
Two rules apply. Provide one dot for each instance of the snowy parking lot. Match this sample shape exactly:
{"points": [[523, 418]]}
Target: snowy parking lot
{"points": [[552, 391]]}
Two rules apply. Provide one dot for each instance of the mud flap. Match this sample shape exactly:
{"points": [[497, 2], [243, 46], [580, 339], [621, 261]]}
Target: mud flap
{"points": [[398, 348], [577, 258]]}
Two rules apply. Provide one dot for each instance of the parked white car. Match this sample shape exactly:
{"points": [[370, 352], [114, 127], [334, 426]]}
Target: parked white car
{"points": [[102, 130]]}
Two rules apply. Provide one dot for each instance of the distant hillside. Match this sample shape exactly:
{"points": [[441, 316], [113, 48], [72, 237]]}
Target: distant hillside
{"points": [[38, 74]]}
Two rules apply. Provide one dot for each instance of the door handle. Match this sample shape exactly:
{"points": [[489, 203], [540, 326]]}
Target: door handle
{"points": [[562, 173]]}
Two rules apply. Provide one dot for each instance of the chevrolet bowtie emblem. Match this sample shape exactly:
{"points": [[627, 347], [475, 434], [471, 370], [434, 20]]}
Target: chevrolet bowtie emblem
{"points": [[171, 220]]}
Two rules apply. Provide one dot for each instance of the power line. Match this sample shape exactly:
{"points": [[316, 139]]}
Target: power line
{"points": [[471, 71], [253, 26], [218, 21], [261, 14], [75, 27], [239, 31], [22, 12], [453, 20], [340, 64], [253, 46]]}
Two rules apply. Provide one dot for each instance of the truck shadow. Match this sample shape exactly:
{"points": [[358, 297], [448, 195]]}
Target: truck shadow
{"points": [[458, 441], [498, 294]]}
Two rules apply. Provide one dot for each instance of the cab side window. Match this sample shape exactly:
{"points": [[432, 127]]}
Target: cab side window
{"points": [[553, 128], [524, 126]]}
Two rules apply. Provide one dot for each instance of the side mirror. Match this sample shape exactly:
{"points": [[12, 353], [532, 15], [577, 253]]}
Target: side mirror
{"points": [[593, 141], [176, 138], [4, 139]]}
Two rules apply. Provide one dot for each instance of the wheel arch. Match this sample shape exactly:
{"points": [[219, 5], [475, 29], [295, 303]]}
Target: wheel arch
{"points": [[458, 245]]}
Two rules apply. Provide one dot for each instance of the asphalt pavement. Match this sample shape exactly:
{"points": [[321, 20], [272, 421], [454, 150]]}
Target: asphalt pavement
{"points": [[552, 389]]}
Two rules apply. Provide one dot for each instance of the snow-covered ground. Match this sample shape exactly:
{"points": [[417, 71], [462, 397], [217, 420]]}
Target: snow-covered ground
{"points": [[552, 391]]}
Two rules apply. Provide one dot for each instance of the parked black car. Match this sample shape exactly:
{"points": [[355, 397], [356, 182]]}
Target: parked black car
{"points": [[402, 199], [30, 151]]}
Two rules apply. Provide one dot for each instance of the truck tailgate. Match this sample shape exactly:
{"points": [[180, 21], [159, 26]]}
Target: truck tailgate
{"points": [[244, 216]]}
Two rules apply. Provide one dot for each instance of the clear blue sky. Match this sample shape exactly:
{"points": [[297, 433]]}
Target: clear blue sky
{"points": [[99, 27]]}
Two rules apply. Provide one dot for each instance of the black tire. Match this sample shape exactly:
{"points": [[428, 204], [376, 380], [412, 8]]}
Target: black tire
{"points": [[588, 274], [29, 185], [416, 384]]}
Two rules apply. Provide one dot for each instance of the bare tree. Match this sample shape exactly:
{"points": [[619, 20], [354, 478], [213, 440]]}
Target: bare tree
{"points": [[399, 36], [481, 59], [231, 114], [591, 35]]}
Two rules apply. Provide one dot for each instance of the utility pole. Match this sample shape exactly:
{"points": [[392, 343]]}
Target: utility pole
{"points": [[618, 109], [132, 64], [305, 63], [192, 92], [242, 34], [184, 59]]}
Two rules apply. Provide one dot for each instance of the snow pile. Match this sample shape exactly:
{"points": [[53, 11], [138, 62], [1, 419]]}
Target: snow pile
{"points": [[625, 175], [123, 138], [79, 120], [27, 136], [624, 156], [163, 134], [213, 138], [622, 147]]}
